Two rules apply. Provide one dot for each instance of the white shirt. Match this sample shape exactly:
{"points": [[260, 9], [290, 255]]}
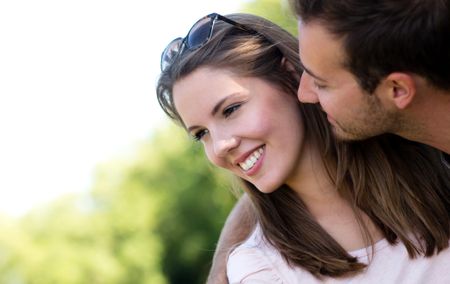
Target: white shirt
{"points": [[256, 261]]}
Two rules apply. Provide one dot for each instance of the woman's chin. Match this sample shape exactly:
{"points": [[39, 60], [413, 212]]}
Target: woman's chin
{"points": [[267, 189]]}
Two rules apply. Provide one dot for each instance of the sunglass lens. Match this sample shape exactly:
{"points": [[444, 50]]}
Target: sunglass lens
{"points": [[168, 55], [199, 33]]}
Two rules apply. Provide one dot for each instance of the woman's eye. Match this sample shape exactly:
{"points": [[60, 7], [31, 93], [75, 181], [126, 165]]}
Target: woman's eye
{"points": [[199, 134], [229, 110]]}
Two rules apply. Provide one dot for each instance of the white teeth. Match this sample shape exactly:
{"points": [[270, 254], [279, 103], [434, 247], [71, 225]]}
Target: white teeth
{"points": [[251, 160]]}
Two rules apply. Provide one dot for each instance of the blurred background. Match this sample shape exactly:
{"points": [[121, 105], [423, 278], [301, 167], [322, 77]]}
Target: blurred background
{"points": [[96, 185]]}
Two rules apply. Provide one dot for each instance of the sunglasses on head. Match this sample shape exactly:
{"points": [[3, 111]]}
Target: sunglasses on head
{"points": [[198, 36]]}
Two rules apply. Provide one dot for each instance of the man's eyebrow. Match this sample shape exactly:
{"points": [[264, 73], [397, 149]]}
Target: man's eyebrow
{"points": [[310, 73]]}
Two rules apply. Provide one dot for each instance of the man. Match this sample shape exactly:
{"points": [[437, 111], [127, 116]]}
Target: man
{"points": [[375, 67], [382, 67]]}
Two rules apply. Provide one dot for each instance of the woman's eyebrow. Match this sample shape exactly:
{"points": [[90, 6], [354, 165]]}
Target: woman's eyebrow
{"points": [[219, 104], [215, 109]]}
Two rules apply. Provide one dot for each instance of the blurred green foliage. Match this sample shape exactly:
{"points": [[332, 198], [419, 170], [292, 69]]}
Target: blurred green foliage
{"points": [[278, 11], [154, 218], [151, 218]]}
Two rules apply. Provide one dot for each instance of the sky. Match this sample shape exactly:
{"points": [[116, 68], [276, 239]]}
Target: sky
{"points": [[77, 87]]}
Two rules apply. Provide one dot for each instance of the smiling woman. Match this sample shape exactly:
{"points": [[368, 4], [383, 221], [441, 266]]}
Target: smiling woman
{"points": [[320, 204], [239, 125]]}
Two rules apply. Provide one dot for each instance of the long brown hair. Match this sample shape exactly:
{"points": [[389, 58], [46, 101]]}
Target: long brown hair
{"points": [[400, 185]]}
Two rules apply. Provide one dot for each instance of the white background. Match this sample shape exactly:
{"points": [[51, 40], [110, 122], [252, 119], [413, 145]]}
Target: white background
{"points": [[77, 87]]}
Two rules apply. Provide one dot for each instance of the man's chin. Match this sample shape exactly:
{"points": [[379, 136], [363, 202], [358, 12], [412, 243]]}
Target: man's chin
{"points": [[345, 136]]}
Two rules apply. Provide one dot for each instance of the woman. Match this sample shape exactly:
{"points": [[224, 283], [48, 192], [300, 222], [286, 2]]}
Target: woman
{"points": [[231, 83]]}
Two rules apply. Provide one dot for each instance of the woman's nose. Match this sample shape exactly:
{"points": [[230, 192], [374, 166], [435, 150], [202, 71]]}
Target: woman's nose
{"points": [[224, 145]]}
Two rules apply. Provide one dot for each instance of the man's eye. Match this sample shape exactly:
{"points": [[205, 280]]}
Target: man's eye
{"points": [[319, 86], [229, 110], [199, 134]]}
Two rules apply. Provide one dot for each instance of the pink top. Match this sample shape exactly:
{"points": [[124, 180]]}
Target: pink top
{"points": [[256, 261]]}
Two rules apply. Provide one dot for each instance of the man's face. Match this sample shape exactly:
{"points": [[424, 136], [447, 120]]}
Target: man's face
{"points": [[353, 113]]}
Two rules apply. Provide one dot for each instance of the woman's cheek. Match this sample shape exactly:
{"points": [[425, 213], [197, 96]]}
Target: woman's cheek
{"points": [[209, 151]]}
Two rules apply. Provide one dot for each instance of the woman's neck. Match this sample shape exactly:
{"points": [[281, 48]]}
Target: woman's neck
{"points": [[334, 213], [310, 180]]}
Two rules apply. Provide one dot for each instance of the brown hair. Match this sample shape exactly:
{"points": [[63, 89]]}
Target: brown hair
{"points": [[381, 37], [400, 185]]}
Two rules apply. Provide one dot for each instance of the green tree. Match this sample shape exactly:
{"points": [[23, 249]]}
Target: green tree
{"points": [[194, 200], [275, 10], [66, 242], [151, 218]]}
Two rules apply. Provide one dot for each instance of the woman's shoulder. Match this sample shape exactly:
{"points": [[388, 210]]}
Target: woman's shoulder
{"points": [[255, 261]]}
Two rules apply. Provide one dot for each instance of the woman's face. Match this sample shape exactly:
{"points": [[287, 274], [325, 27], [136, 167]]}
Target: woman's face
{"points": [[246, 125]]}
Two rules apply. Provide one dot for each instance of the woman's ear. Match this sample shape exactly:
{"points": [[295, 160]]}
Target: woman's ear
{"points": [[401, 89], [289, 67]]}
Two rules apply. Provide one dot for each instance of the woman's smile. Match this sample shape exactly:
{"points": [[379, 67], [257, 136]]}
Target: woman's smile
{"points": [[253, 162]]}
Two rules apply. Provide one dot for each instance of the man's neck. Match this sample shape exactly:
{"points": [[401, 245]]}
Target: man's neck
{"points": [[433, 119]]}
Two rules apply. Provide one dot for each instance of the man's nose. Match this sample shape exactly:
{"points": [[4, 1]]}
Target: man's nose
{"points": [[306, 92]]}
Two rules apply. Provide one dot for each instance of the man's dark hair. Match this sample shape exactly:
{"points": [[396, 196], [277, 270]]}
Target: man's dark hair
{"points": [[385, 36]]}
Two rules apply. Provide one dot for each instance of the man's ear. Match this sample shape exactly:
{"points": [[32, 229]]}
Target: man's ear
{"points": [[401, 88]]}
